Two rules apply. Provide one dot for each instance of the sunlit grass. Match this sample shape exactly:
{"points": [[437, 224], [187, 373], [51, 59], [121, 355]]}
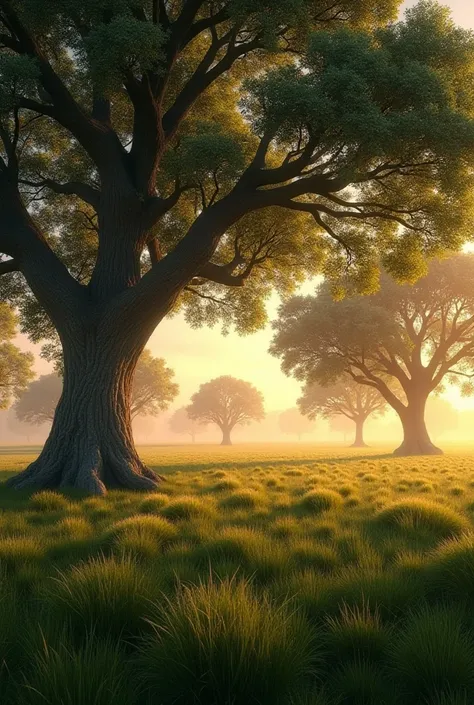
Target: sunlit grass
{"points": [[255, 574]]}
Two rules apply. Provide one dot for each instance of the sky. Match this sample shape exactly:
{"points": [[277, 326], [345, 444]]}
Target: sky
{"points": [[200, 355]]}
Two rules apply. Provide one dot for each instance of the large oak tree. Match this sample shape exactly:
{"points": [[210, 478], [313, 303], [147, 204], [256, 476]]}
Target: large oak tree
{"points": [[346, 398], [403, 341], [163, 153]]}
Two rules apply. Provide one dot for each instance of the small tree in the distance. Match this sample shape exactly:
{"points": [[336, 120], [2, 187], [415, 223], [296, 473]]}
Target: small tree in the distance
{"points": [[38, 403], [293, 423], [15, 366], [153, 386], [341, 424], [348, 399], [227, 402], [181, 423]]}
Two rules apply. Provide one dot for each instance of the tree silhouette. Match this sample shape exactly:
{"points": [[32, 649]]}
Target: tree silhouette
{"points": [[341, 424], [38, 403], [226, 402], [347, 399], [293, 423], [403, 341], [201, 154], [181, 423]]}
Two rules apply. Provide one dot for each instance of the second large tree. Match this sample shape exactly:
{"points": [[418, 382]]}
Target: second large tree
{"points": [[403, 341]]}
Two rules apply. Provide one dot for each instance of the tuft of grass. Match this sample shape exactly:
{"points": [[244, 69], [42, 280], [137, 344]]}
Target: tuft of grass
{"points": [[357, 633], [434, 654], [18, 550], [48, 501], [93, 674], [74, 527], [318, 501], [248, 549], [243, 499], [184, 508], [109, 596], [153, 503], [143, 535], [307, 553], [451, 569], [416, 514], [226, 484], [360, 682], [221, 643]]}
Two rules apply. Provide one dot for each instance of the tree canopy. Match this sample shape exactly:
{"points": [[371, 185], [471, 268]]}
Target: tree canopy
{"points": [[346, 398], [181, 423], [293, 423], [403, 341], [227, 402], [16, 367], [198, 102], [153, 386], [201, 154]]}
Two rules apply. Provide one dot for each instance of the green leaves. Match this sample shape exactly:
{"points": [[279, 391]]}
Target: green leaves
{"points": [[18, 76], [206, 152], [15, 366], [124, 44]]}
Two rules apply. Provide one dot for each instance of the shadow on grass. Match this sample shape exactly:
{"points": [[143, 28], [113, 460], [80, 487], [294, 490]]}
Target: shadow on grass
{"points": [[273, 463]]}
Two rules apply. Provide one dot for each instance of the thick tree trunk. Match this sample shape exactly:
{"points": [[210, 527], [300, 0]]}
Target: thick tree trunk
{"points": [[226, 440], [416, 439], [90, 446], [359, 436]]}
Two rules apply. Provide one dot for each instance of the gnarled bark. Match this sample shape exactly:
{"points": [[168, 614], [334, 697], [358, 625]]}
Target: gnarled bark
{"points": [[91, 446], [416, 439]]}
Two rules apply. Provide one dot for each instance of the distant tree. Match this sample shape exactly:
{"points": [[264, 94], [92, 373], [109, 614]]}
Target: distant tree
{"points": [[181, 423], [347, 399], [227, 402], [153, 387], [19, 428], [16, 367], [402, 341], [293, 423], [38, 403], [341, 424], [152, 392]]}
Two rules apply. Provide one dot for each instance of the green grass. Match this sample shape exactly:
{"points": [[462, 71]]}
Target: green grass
{"points": [[259, 575]]}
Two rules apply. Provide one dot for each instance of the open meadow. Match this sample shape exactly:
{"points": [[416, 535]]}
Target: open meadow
{"points": [[289, 574]]}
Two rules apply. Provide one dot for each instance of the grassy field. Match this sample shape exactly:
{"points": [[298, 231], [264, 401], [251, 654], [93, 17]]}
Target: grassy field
{"points": [[257, 575]]}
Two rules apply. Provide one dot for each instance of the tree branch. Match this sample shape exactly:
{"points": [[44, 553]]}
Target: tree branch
{"points": [[77, 188]]}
